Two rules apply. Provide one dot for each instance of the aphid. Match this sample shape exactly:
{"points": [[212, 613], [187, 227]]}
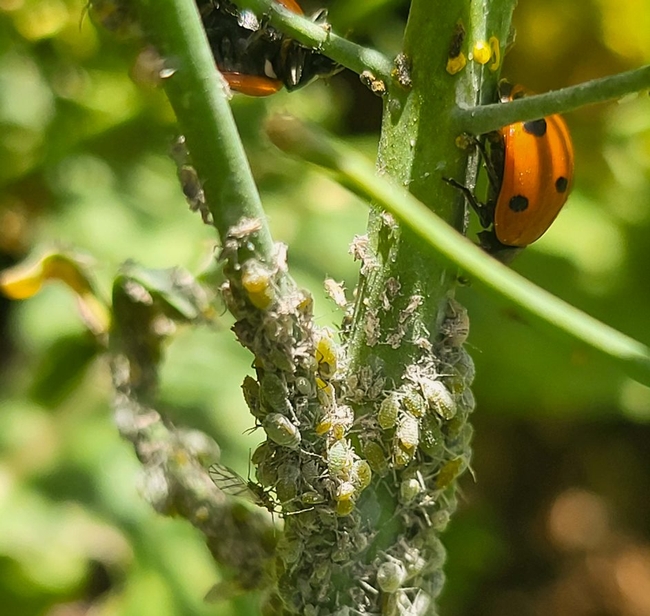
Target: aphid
{"points": [[432, 441], [391, 574], [388, 411], [311, 498], [229, 482], [326, 356], [414, 403], [337, 421], [374, 453], [290, 549], [304, 386], [448, 473], [462, 372], [326, 394], [361, 474], [345, 491], [409, 489], [340, 458], [438, 398], [336, 292], [286, 486], [408, 431], [274, 393], [257, 281], [414, 562], [402, 457], [251, 389], [281, 431], [324, 425], [455, 328], [344, 508], [262, 459]]}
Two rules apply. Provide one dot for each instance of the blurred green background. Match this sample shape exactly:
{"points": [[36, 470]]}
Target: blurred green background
{"points": [[558, 519]]}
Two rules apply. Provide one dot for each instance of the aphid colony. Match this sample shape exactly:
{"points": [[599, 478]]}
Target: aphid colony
{"points": [[319, 457]]}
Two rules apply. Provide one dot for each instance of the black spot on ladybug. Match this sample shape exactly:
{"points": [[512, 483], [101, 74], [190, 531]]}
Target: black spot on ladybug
{"points": [[518, 203], [536, 127], [561, 184]]}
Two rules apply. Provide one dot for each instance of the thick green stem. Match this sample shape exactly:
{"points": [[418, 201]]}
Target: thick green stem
{"points": [[200, 100], [305, 31]]}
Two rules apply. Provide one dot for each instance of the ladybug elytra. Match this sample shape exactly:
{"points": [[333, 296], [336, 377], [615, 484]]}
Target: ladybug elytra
{"points": [[530, 169]]}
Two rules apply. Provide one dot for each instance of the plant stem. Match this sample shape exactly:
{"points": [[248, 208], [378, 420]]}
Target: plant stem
{"points": [[482, 119], [200, 100], [305, 31]]}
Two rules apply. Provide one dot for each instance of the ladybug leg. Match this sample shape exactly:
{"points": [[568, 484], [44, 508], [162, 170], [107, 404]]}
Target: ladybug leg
{"points": [[492, 173], [482, 210]]}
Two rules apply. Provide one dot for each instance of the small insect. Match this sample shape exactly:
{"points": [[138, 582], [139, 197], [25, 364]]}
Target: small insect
{"points": [[326, 356], [251, 389], [530, 169], [391, 574], [376, 457], [414, 403], [340, 458], [438, 398], [361, 475], [388, 411], [229, 482], [281, 431], [449, 472], [257, 281], [408, 431]]}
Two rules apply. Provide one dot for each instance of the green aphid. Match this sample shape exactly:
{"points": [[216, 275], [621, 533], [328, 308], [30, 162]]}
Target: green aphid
{"points": [[448, 473], [251, 389], [374, 453], [409, 489], [432, 441], [262, 453], [402, 457], [390, 576], [414, 403], [274, 393], [266, 473], [312, 498], [340, 458], [388, 411], [361, 474], [439, 398], [345, 491], [281, 431], [408, 431], [304, 386]]}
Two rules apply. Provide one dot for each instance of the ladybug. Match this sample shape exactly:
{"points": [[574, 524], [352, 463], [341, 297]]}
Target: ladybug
{"points": [[254, 58], [530, 170]]}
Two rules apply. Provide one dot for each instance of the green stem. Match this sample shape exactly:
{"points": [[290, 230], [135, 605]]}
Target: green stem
{"points": [[541, 307], [485, 118], [305, 31], [200, 100]]}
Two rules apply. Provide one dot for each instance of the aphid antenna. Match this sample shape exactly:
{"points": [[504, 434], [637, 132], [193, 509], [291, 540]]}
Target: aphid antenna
{"points": [[288, 513]]}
